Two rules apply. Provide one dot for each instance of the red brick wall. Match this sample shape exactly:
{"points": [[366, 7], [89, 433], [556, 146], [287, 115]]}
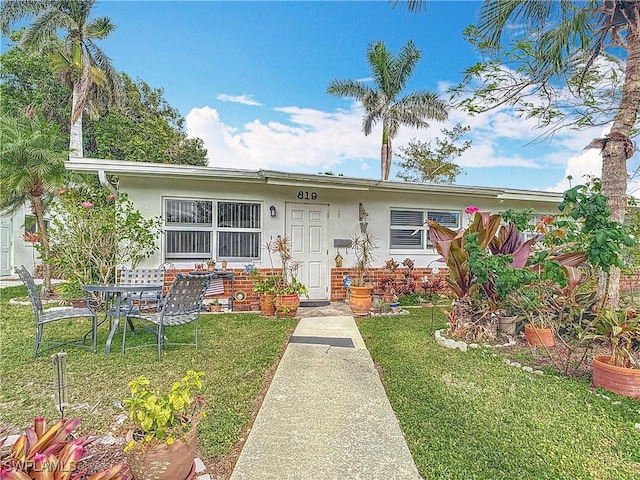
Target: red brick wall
{"points": [[339, 293]]}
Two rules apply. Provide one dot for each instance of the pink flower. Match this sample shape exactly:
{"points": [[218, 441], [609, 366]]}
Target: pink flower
{"points": [[62, 191], [87, 204], [111, 196], [471, 209]]}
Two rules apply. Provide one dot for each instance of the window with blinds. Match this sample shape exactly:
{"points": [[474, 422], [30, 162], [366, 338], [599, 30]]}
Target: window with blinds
{"points": [[405, 222], [190, 230]]}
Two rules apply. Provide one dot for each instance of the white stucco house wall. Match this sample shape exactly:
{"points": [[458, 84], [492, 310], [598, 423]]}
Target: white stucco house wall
{"points": [[15, 250], [229, 214]]}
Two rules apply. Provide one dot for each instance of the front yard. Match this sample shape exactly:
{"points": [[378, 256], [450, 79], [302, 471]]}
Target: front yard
{"points": [[471, 416], [235, 351], [464, 415]]}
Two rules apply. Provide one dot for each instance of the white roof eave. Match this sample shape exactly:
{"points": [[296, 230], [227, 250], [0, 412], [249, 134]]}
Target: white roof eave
{"points": [[272, 177]]}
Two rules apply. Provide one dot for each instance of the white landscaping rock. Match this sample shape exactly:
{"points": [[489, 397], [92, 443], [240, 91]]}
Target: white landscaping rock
{"points": [[200, 467], [461, 345], [527, 369]]}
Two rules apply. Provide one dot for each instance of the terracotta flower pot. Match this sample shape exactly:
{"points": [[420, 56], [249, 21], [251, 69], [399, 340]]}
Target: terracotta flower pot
{"points": [[287, 305], [267, 305], [164, 462], [539, 336], [360, 300], [620, 380]]}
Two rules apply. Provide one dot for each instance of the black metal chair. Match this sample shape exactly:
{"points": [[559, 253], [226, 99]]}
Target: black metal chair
{"points": [[43, 317], [182, 305]]}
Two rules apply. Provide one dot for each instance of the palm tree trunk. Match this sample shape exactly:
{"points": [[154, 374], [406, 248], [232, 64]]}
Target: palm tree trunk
{"points": [[615, 152], [75, 142], [38, 212]]}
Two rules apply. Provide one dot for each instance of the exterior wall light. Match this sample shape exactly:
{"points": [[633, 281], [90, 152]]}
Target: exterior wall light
{"points": [[272, 210]]}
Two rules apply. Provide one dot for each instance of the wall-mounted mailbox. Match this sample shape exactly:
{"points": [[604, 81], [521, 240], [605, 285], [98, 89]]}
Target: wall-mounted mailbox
{"points": [[341, 242]]}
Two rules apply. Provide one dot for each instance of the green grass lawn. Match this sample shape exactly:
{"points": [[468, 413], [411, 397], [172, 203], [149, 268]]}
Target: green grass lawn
{"points": [[471, 416], [235, 351]]}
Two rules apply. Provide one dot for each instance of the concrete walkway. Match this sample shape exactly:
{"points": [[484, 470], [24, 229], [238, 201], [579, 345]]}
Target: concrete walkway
{"points": [[326, 415]]}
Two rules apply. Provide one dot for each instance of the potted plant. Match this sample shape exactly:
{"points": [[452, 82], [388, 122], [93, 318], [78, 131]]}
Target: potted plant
{"points": [[360, 298], [287, 289], [215, 306], [211, 264], [265, 286], [72, 293], [162, 442], [618, 372]]}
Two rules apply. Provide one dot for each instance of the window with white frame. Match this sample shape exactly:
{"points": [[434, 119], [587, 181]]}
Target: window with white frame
{"points": [[191, 228], [405, 222]]}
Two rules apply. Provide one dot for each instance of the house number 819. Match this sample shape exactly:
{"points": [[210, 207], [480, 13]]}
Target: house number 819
{"points": [[307, 195]]}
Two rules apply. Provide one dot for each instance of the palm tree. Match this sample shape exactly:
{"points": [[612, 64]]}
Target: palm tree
{"points": [[384, 102], [567, 31], [82, 62], [32, 156]]}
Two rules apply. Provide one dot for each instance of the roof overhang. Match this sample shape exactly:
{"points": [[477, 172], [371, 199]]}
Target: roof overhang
{"points": [[272, 177]]}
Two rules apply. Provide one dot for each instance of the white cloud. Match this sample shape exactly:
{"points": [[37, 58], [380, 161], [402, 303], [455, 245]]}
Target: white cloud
{"points": [[311, 140], [243, 99]]}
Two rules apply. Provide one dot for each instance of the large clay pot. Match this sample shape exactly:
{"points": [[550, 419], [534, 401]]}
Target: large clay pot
{"points": [[620, 380], [163, 462], [360, 300], [267, 305], [539, 336], [287, 305]]}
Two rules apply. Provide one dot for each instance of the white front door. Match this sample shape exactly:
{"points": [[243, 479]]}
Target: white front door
{"points": [[307, 227], [5, 246]]}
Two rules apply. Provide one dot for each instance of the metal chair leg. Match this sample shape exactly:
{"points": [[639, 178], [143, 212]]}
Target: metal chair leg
{"points": [[38, 339], [160, 340]]}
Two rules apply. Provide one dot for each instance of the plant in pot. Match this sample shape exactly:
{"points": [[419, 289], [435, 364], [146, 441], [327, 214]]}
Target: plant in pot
{"points": [[287, 289], [215, 306], [71, 292], [211, 264], [619, 371], [360, 299], [266, 287], [163, 439]]}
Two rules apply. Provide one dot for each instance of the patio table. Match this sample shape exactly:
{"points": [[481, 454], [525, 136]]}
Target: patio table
{"points": [[118, 290]]}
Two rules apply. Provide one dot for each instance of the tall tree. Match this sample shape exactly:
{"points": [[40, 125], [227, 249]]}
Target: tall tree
{"points": [[384, 101], [568, 30], [146, 128], [427, 163], [32, 156], [81, 61], [564, 42], [142, 127]]}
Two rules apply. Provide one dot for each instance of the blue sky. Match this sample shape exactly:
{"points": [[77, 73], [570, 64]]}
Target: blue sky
{"points": [[250, 78]]}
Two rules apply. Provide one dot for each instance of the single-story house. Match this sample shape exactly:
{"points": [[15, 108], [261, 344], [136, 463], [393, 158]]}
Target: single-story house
{"points": [[229, 214]]}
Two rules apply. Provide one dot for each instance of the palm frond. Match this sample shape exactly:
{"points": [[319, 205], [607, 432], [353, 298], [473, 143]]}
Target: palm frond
{"points": [[12, 11], [348, 88], [99, 28], [380, 61], [403, 67]]}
